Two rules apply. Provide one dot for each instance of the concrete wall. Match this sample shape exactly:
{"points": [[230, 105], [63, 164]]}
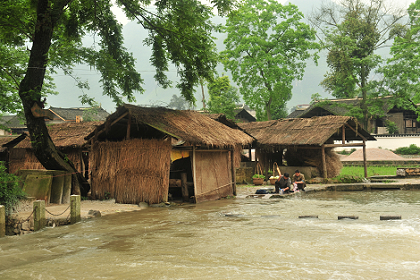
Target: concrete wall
{"points": [[389, 142]]}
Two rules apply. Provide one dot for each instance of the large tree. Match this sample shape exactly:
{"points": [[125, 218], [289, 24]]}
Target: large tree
{"points": [[352, 32], [38, 36], [267, 45], [402, 71]]}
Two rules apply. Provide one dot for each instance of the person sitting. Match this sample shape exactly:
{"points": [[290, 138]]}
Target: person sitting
{"points": [[298, 181], [283, 183]]}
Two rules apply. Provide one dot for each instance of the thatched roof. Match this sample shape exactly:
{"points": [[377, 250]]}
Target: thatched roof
{"points": [[66, 134], [189, 127], [70, 114], [10, 141], [304, 131], [12, 121]]}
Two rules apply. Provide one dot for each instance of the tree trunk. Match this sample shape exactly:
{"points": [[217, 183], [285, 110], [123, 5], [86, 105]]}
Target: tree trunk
{"points": [[30, 94], [363, 103]]}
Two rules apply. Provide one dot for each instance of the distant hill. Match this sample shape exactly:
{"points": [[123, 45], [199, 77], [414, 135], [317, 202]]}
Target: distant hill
{"points": [[134, 35]]}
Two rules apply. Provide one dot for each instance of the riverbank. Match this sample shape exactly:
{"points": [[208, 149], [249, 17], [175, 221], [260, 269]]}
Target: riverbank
{"points": [[56, 215]]}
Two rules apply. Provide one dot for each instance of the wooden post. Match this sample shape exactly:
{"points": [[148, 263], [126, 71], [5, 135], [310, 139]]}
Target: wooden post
{"points": [[184, 187], [364, 158], [194, 174], [324, 164], [343, 136], [232, 161], [75, 209], [2, 221], [128, 127], [39, 214]]}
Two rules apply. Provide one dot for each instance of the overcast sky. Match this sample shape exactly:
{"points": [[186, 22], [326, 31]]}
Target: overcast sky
{"points": [[397, 3]]}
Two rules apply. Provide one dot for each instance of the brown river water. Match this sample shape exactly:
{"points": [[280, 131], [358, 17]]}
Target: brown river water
{"points": [[232, 239]]}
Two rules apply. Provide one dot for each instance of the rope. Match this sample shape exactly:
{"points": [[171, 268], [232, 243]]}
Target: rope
{"points": [[46, 210]]}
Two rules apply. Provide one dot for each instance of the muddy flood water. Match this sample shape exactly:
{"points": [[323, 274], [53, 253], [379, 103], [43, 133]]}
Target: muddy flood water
{"points": [[232, 239]]}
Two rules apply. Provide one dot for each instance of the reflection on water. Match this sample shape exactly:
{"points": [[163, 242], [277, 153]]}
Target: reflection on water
{"points": [[232, 239]]}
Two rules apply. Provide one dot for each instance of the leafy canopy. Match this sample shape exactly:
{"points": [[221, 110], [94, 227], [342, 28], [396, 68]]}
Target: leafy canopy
{"points": [[179, 33], [402, 71], [266, 48], [223, 97]]}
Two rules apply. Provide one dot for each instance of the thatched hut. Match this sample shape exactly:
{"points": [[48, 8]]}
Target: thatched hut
{"points": [[138, 151], [67, 137], [308, 141]]}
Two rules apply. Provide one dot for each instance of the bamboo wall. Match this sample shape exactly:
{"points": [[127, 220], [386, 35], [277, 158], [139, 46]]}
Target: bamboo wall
{"points": [[131, 171]]}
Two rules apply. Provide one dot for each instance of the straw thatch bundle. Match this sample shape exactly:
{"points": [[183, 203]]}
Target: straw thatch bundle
{"points": [[313, 157], [131, 171]]}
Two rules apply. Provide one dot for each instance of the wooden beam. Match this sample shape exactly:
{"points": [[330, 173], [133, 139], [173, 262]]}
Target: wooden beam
{"points": [[324, 163], [114, 122], [343, 136], [361, 136], [343, 145], [364, 158]]}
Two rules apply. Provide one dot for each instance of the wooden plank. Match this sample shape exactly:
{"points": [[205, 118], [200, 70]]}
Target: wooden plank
{"points": [[194, 174], [324, 164], [232, 162], [184, 186]]}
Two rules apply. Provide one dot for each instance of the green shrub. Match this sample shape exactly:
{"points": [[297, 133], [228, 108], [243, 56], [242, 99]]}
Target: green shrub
{"points": [[348, 179], [411, 150], [345, 152], [10, 192], [258, 176]]}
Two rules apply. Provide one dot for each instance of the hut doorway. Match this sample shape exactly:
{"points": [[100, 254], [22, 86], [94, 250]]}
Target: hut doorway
{"points": [[181, 186]]}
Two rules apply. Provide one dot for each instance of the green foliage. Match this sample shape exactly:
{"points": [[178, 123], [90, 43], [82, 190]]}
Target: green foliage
{"points": [[352, 35], [10, 192], [411, 150], [402, 72], [345, 152], [267, 46], [223, 97], [91, 114], [391, 127], [256, 176]]}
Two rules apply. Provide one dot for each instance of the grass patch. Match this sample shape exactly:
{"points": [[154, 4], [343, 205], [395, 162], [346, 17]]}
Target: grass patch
{"points": [[358, 171]]}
